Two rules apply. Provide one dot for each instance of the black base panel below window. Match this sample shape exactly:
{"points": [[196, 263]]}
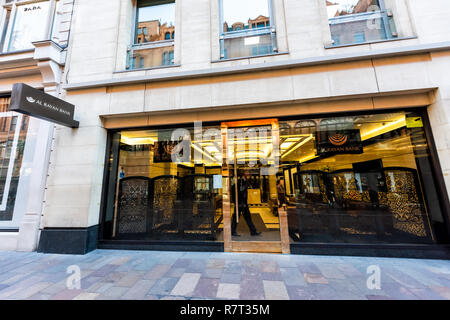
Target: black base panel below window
{"points": [[202, 246], [68, 240], [366, 250]]}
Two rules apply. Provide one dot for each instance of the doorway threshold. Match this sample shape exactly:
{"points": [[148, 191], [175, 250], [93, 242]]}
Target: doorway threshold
{"points": [[257, 246]]}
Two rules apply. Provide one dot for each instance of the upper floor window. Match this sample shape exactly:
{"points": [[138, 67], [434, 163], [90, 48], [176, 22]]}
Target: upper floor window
{"points": [[155, 23], [359, 21], [26, 22], [246, 28]]}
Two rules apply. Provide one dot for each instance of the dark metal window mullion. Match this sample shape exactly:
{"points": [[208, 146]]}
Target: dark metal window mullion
{"points": [[385, 19], [273, 37], [221, 32], [129, 64]]}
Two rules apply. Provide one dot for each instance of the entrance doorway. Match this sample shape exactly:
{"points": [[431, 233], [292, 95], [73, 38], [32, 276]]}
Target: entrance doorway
{"points": [[254, 221]]}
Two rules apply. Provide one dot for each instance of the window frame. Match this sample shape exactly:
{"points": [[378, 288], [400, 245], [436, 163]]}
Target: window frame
{"points": [[384, 14], [7, 25], [244, 33], [147, 45]]}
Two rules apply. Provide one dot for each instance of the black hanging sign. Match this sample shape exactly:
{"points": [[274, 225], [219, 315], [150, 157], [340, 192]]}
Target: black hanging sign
{"points": [[339, 142], [36, 103]]}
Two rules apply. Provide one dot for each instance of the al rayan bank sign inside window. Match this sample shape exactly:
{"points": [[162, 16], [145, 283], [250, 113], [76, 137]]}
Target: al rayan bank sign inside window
{"points": [[36, 103]]}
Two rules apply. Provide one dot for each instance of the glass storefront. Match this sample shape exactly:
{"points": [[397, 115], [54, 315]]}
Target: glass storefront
{"points": [[364, 178], [153, 196], [13, 134], [360, 179]]}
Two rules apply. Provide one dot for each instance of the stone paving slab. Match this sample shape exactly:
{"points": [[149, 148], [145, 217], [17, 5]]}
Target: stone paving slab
{"points": [[159, 275]]}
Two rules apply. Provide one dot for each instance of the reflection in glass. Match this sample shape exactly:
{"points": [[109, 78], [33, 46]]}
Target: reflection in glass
{"points": [[246, 29], [5, 29], [245, 14], [359, 179], [359, 21], [249, 46], [158, 197], [154, 35], [28, 26], [155, 22], [353, 179], [150, 57], [338, 8], [13, 133]]}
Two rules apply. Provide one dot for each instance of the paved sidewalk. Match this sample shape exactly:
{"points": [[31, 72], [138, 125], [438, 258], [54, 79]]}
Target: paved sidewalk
{"points": [[113, 274]]}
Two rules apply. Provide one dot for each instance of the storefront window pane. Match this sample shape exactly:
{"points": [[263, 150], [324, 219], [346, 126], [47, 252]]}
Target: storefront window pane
{"points": [[13, 133], [162, 193], [29, 25], [5, 28], [355, 179], [359, 179]]}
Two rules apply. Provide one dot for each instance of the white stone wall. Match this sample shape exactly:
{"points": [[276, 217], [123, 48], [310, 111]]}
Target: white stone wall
{"points": [[76, 169], [439, 112]]}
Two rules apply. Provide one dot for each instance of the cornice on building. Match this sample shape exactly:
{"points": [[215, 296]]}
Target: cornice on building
{"points": [[267, 66]]}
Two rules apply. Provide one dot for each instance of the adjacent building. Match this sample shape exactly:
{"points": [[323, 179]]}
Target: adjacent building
{"points": [[33, 48]]}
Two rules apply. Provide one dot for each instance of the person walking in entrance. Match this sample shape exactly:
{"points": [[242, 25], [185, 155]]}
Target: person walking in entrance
{"points": [[282, 201], [281, 193], [243, 208]]}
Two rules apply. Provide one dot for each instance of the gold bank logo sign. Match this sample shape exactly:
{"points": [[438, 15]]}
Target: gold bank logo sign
{"points": [[338, 139], [339, 142]]}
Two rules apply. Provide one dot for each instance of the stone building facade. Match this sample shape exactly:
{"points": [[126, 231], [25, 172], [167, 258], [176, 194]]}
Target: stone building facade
{"points": [[295, 76]]}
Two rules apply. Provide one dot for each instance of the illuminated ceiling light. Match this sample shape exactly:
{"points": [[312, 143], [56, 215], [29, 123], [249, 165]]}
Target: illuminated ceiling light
{"points": [[268, 150], [295, 135], [292, 139], [250, 153], [136, 141], [372, 133], [203, 152], [307, 158], [286, 145], [187, 164], [298, 146], [211, 149]]}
